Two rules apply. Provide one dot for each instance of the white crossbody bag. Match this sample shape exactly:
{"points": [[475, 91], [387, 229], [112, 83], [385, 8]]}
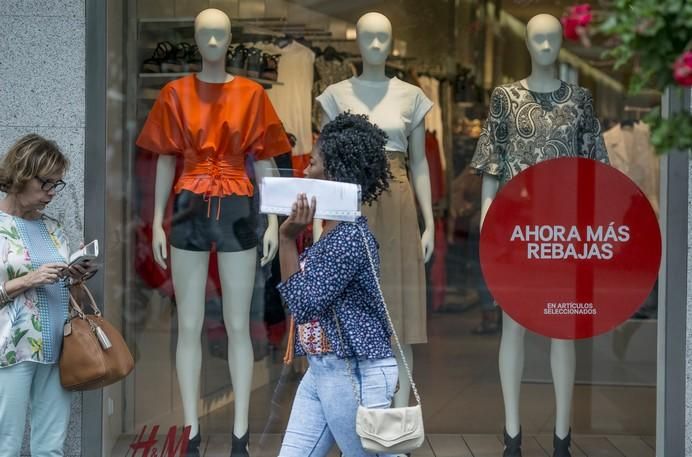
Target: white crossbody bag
{"points": [[386, 430]]}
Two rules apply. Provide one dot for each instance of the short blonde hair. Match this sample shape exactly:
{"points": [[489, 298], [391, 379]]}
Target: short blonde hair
{"points": [[31, 156]]}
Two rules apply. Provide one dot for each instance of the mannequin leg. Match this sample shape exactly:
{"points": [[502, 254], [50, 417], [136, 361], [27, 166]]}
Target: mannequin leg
{"points": [[511, 370], [402, 396], [237, 272], [563, 363], [189, 273]]}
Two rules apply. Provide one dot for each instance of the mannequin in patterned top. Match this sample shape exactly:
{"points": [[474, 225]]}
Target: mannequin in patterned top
{"points": [[532, 120]]}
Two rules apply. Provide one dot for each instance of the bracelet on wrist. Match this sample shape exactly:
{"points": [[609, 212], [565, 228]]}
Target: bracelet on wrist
{"points": [[4, 296]]}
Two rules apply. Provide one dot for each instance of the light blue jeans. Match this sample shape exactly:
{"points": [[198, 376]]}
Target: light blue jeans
{"points": [[38, 385], [324, 410]]}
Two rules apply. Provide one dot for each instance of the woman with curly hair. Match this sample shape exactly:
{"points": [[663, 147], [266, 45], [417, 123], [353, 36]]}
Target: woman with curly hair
{"points": [[332, 294]]}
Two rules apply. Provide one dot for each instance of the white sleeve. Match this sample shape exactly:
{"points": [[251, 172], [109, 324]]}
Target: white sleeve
{"points": [[421, 106], [328, 103]]}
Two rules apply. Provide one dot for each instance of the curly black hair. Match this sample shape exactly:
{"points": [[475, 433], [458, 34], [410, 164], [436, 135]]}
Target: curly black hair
{"points": [[352, 149]]}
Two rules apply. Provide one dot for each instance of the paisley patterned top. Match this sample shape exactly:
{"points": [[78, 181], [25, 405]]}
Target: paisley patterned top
{"points": [[22, 321], [526, 127], [337, 276]]}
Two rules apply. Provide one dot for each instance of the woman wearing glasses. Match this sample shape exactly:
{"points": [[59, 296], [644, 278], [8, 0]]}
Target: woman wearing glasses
{"points": [[33, 298]]}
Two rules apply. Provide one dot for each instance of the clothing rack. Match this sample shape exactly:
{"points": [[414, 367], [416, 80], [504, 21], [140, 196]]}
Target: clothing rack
{"points": [[334, 40], [254, 31], [638, 110]]}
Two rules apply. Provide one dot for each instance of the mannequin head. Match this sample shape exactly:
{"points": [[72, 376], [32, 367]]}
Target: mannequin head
{"points": [[543, 39], [374, 36], [212, 34]]}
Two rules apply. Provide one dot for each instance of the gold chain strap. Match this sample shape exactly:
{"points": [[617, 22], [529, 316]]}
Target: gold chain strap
{"points": [[391, 324]]}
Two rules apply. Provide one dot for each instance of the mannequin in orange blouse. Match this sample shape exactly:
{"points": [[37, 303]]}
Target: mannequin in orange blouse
{"points": [[211, 121]]}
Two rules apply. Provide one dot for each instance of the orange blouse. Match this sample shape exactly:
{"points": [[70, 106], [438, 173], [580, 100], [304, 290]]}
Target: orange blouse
{"points": [[214, 126]]}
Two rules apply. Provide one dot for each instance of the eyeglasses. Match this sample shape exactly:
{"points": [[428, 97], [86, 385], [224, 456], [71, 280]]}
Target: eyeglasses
{"points": [[48, 185]]}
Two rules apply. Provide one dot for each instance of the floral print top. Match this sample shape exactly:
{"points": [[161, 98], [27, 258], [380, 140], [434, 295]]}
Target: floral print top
{"points": [[526, 127], [21, 332], [337, 278]]}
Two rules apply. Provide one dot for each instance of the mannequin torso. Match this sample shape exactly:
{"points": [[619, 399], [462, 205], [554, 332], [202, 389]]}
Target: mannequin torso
{"points": [[525, 127], [395, 106]]}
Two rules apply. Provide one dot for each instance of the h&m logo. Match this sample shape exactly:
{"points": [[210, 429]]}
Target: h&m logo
{"points": [[169, 448]]}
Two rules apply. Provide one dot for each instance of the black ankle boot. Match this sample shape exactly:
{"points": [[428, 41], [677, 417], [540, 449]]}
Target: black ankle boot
{"points": [[239, 446], [512, 445], [561, 446], [193, 445]]}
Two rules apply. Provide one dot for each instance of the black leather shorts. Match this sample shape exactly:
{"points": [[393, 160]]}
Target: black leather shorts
{"points": [[199, 223]]}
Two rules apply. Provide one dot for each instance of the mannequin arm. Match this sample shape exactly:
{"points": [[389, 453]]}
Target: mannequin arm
{"points": [[421, 184], [165, 172], [270, 242], [489, 189]]}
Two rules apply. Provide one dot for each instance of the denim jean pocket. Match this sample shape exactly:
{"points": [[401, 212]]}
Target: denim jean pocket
{"points": [[378, 384]]}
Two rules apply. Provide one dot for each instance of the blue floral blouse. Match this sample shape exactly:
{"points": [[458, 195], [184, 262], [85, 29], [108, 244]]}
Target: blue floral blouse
{"points": [[25, 333], [336, 275]]}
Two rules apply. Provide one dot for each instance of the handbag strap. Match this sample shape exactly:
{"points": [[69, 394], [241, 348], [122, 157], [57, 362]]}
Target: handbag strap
{"points": [[391, 325], [91, 301]]}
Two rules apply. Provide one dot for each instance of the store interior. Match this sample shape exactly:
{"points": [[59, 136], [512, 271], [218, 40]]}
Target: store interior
{"points": [[456, 52]]}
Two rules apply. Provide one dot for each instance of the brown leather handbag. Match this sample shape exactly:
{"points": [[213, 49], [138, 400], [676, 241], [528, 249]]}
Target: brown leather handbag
{"points": [[94, 353]]}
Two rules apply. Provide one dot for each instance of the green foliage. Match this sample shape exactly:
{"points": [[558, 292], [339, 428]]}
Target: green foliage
{"points": [[674, 133], [651, 34]]}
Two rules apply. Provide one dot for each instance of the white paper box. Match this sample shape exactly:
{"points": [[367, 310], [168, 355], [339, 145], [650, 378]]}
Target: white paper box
{"points": [[335, 200]]}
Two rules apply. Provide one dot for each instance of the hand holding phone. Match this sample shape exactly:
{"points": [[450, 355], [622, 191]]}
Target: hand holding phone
{"points": [[81, 263], [88, 252]]}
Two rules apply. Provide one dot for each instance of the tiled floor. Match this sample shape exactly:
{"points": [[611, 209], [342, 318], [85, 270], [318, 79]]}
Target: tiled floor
{"points": [[460, 387], [451, 445], [462, 402]]}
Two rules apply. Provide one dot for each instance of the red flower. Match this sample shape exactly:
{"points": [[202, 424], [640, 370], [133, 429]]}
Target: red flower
{"points": [[682, 69], [576, 20]]}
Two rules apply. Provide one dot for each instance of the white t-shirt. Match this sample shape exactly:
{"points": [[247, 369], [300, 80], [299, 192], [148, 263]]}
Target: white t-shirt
{"points": [[395, 106], [293, 100]]}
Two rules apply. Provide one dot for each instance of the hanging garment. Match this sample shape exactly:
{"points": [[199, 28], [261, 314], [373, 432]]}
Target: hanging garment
{"points": [[526, 127], [328, 72], [438, 267], [433, 121], [631, 152], [437, 177], [397, 108], [293, 98]]}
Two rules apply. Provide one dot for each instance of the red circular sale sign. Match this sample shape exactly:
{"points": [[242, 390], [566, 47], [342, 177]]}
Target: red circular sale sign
{"points": [[570, 248]]}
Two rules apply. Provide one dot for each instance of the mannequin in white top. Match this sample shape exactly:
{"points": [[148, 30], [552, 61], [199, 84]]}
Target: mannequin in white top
{"points": [[399, 104], [190, 268], [543, 39]]}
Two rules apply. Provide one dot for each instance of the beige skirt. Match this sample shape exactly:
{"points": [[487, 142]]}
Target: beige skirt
{"points": [[394, 221]]}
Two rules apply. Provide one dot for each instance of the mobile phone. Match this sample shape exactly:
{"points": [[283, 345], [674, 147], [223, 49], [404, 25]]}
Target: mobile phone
{"points": [[88, 252]]}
